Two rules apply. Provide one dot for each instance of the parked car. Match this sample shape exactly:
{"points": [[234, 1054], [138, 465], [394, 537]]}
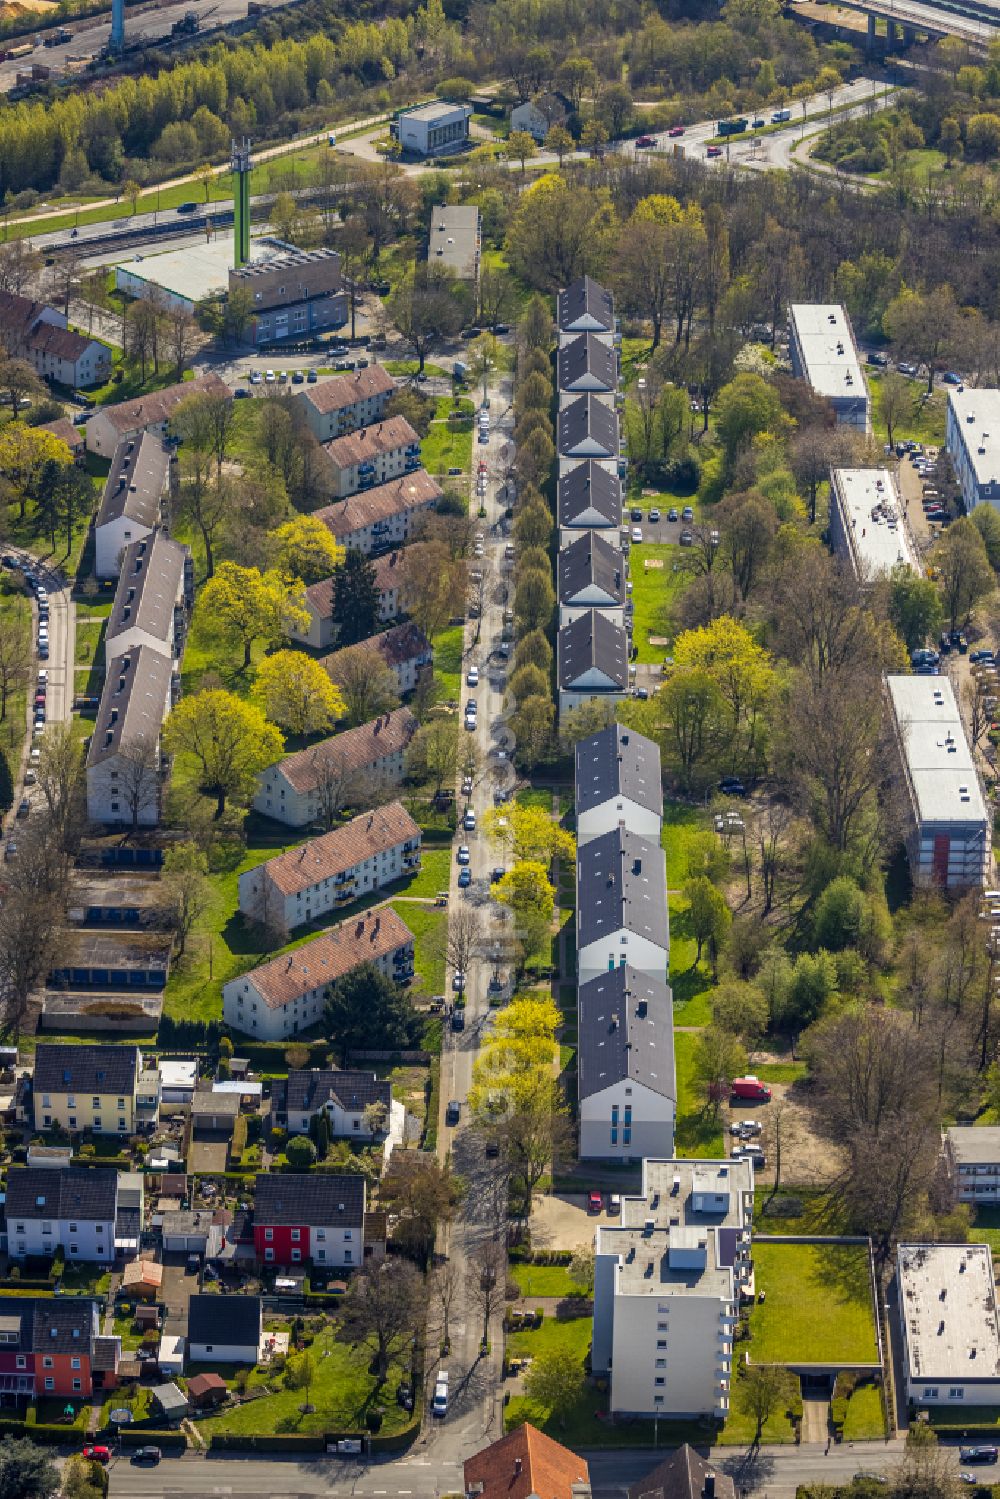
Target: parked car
{"points": [[453, 1112], [464, 879], [595, 1202], [977, 1454], [675, 130], [672, 513], [97, 1452], [469, 821], [463, 856], [714, 151], [149, 1455], [687, 513], [654, 516], [439, 1406], [636, 535], [732, 786], [458, 1020]]}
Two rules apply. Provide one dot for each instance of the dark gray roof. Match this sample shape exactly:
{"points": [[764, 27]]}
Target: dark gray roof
{"points": [[584, 304], [82, 1192], [85, 1069], [590, 562], [626, 1033], [593, 643], [621, 882], [136, 482], [49, 1325], [589, 487], [233, 1320], [587, 355], [588, 420], [208, 1104], [682, 1476], [292, 1198], [149, 586], [134, 702], [618, 762], [307, 1092]]}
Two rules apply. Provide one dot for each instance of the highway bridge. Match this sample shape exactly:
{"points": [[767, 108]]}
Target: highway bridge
{"points": [[976, 22]]}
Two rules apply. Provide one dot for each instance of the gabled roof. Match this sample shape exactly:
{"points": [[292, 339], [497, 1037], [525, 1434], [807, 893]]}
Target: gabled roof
{"points": [[406, 642], [134, 700], [682, 1476], [388, 575], [621, 884], [344, 391], [618, 763], [370, 442], [313, 1199], [590, 562], [60, 343], [306, 1092], [85, 1069], [588, 420], [363, 939], [523, 1464], [63, 428], [149, 585], [626, 1033], [136, 481], [359, 511], [151, 410], [87, 1193], [586, 301], [233, 1320], [364, 837], [593, 643], [356, 750], [589, 487], [590, 356], [65, 1324]]}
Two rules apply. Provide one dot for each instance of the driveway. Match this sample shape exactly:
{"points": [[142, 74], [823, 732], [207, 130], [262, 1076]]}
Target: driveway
{"points": [[564, 1223], [177, 1289]]}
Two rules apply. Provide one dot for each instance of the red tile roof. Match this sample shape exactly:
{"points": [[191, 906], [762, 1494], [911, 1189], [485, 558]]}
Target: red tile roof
{"points": [[347, 390], [369, 442], [409, 492], [362, 749], [363, 939], [323, 858], [523, 1463]]}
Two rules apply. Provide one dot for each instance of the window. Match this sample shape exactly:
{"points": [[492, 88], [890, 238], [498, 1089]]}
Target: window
{"points": [[931, 1392], [296, 1235], [47, 1363], [71, 1100], [209, 1347], [77, 1385], [50, 1383], [658, 1399], [348, 1235], [72, 1121], [321, 1254], [22, 1362], [74, 1363], [957, 1392], [296, 1256], [73, 1249], [660, 1379], [268, 1234], [122, 1125], [661, 1363], [614, 1137], [321, 1233], [348, 1256], [661, 1342]]}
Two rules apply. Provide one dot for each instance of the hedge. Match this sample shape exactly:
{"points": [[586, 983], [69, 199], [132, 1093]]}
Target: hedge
{"points": [[148, 1437], [273, 1442], [50, 1435], [395, 1442]]}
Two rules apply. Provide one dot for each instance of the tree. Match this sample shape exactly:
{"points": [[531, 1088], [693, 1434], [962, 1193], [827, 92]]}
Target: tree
{"points": [[761, 1387], [186, 888], [419, 1195], [964, 571], [708, 915], [718, 1058], [532, 725], [741, 670], [62, 779], [382, 1309], [249, 605], [895, 401], [24, 453], [428, 304], [914, 607], [138, 765], [926, 1470], [16, 657], [741, 1009], [556, 1381], [306, 549], [924, 326], [297, 694], [520, 146], [300, 1152], [83, 1479], [487, 1280], [355, 247], [367, 686], [581, 1269], [559, 142], [432, 587], [365, 1008], [17, 381], [530, 833], [533, 649], [559, 230], [832, 731], [229, 739], [446, 1284], [433, 753], [460, 938], [950, 141], [301, 1371], [533, 525], [534, 599], [26, 1471], [526, 890], [355, 599], [746, 407]]}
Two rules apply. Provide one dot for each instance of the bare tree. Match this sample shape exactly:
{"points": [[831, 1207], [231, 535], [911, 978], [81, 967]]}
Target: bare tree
{"points": [[779, 1133], [138, 766], [761, 1388], [446, 1284], [771, 828], [332, 781], [31, 935], [487, 1280], [61, 777], [460, 937], [368, 686], [382, 1309]]}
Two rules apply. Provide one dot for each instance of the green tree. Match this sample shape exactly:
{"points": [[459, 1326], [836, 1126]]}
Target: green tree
{"points": [[840, 915], [745, 408], [813, 983], [915, 608], [533, 525], [719, 1056], [987, 523], [366, 1009], [249, 605], [520, 146], [740, 1008], [556, 1381], [533, 650], [708, 915], [950, 138], [741, 671], [230, 741], [534, 599], [925, 326], [300, 1152], [306, 549], [355, 599], [26, 1471], [297, 694], [526, 889], [559, 142], [964, 571], [420, 1195], [982, 135]]}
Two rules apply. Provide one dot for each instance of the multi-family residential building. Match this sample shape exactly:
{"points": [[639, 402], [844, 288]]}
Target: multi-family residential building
{"points": [[591, 661], [105, 1089], [973, 1159], [315, 783], [627, 1087], [455, 240], [327, 873], [526, 1464], [291, 295], [124, 780], [372, 455], [667, 1285], [287, 995], [134, 501], [321, 631], [149, 413], [948, 1320], [591, 574], [356, 1104], [225, 1329], [585, 307], [53, 1348], [318, 1217], [868, 525], [685, 1474], [73, 1210], [621, 906], [346, 402], [40, 335], [436, 129], [63, 428], [590, 499], [586, 428], [404, 649], [948, 835], [617, 782], [823, 352], [972, 437], [586, 365], [150, 605], [378, 519]]}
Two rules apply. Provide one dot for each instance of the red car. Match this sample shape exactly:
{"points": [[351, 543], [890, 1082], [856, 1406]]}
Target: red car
{"points": [[714, 151], [643, 142], [97, 1454], [595, 1202], [676, 130]]}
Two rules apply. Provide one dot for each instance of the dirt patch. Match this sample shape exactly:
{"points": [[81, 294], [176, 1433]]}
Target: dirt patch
{"points": [[807, 1159], [564, 1223]]}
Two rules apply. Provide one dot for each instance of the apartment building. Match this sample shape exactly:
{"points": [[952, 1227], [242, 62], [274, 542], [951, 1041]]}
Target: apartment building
{"points": [[972, 437], [53, 1348], [134, 500], [591, 661], [327, 873], [455, 240], [292, 295], [287, 995], [105, 1089], [591, 575], [627, 1088], [155, 586], [590, 499], [618, 781], [868, 525], [345, 402], [149, 413], [405, 651], [40, 335], [322, 631], [823, 352], [948, 1321], [301, 1218], [313, 784], [973, 1159], [353, 1102], [373, 455], [587, 365], [586, 428], [948, 835], [667, 1285], [124, 773], [74, 1211], [621, 911], [378, 519]]}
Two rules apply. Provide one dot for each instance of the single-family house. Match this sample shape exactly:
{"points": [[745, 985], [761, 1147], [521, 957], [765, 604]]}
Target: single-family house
{"points": [[404, 649], [64, 429], [591, 661], [538, 115], [74, 1211], [627, 1088], [312, 785], [225, 1329], [621, 914], [346, 402], [356, 1104], [134, 499], [591, 575], [617, 781], [148, 413], [372, 455], [300, 1217], [52, 1348], [526, 1464], [685, 1474], [377, 520]]}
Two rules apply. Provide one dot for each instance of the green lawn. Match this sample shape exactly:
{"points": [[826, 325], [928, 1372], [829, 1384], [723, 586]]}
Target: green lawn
{"points": [[986, 1229], [448, 646], [654, 590], [816, 1213], [13, 606], [448, 445], [697, 1134], [741, 1424], [435, 870], [427, 925], [342, 1392], [925, 424], [865, 1419], [572, 1334], [680, 822], [818, 1307], [85, 1280], [782, 1072], [403, 367], [544, 1280]]}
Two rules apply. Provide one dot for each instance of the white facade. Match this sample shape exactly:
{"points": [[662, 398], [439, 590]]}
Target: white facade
{"points": [[948, 1321], [972, 437], [223, 1353], [626, 1122], [288, 791], [79, 1239], [823, 352], [868, 524], [620, 946], [606, 817], [667, 1286], [111, 539], [346, 402], [434, 129], [973, 1158]]}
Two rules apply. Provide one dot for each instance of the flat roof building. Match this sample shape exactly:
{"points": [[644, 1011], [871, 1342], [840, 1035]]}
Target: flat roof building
{"points": [[433, 129], [823, 351], [973, 1158], [868, 525], [949, 836], [455, 239], [972, 437], [948, 1320]]}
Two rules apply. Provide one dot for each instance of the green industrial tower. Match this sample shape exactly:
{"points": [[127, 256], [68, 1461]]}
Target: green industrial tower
{"points": [[240, 165]]}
